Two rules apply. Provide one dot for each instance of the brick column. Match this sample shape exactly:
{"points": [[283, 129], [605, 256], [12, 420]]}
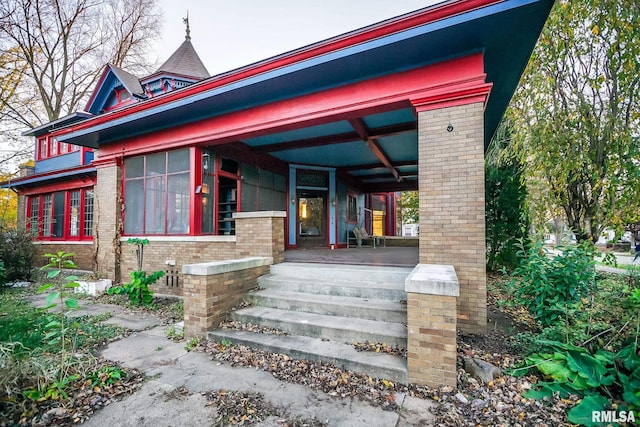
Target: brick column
{"points": [[431, 325], [212, 289], [260, 234], [108, 220], [452, 206]]}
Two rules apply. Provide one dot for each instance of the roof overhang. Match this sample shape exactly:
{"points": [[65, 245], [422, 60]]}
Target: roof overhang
{"points": [[56, 124], [82, 172], [503, 33]]}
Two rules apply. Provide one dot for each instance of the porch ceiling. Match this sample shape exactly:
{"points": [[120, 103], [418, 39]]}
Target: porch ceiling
{"points": [[374, 150]]}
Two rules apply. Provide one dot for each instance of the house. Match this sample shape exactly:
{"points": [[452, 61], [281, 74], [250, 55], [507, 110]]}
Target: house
{"points": [[293, 152]]}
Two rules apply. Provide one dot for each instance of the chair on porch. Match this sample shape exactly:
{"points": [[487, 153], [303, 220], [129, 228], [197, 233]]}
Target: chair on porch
{"points": [[362, 236]]}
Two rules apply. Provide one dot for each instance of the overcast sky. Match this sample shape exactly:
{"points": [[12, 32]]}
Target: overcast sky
{"points": [[228, 34]]}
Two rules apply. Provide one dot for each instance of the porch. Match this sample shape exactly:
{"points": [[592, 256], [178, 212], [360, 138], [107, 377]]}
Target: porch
{"points": [[379, 256]]}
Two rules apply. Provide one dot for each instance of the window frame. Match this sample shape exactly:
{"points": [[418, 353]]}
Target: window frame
{"points": [[47, 147], [146, 177], [47, 233]]}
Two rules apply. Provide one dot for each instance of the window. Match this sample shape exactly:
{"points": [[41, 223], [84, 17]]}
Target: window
{"points": [[352, 208], [46, 213], [58, 215], [34, 215], [157, 193], [43, 146], [74, 214], [47, 147], [88, 213]]}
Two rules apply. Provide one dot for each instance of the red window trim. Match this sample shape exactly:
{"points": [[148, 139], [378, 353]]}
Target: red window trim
{"points": [[44, 149], [66, 230], [195, 179]]}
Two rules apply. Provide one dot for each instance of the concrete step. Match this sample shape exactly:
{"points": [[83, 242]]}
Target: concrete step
{"points": [[391, 291], [342, 272], [332, 305], [335, 328], [376, 365]]}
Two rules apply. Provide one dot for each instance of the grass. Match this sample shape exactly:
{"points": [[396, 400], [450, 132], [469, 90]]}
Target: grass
{"points": [[28, 360], [20, 322]]}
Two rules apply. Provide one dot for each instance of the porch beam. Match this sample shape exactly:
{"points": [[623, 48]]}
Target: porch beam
{"points": [[375, 165], [361, 128]]}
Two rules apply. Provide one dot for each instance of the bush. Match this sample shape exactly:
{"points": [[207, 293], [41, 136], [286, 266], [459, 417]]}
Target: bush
{"points": [[552, 288], [18, 254], [506, 219]]}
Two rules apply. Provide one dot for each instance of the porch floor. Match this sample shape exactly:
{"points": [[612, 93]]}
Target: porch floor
{"points": [[381, 256]]}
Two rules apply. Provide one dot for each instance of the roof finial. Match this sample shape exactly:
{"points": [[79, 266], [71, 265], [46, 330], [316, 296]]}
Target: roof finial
{"points": [[186, 22]]}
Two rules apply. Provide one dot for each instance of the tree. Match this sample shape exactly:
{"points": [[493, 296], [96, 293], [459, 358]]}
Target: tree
{"points": [[410, 207], [506, 218], [577, 112], [63, 45]]}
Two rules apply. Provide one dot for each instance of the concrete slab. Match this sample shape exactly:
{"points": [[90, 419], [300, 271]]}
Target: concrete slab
{"points": [[341, 329], [134, 322], [416, 412], [172, 367], [145, 350], [377, 365]]}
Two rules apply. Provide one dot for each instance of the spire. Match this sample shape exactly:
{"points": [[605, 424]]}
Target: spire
{"points": [[186, 22], [185, 61]]}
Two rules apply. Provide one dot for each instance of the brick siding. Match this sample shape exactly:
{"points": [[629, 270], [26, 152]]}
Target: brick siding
{"points": [[451, 190], [108, 220], [209, 297], [83, 253]]}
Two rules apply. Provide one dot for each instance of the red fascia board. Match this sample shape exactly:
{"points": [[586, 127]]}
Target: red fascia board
{"points": [[385, 28], [399, 90], [72, 184]]}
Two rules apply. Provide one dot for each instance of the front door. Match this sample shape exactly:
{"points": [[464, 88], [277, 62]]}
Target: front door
{"points": [[312, 218]]}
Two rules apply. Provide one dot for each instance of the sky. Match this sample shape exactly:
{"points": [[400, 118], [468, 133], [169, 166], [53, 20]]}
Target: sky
{"points": [[228, 34]]}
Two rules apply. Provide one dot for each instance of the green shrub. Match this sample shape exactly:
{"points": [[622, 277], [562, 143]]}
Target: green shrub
{"points": [[138, 289], [506, 219], [601, 372], [18, 253], [552, 288]]}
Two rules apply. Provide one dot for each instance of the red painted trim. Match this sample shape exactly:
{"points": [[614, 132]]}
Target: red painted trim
{"points": [[457, 76], [195, 201], [463, 96], [395, 25], [216, 193], [69, 185]]}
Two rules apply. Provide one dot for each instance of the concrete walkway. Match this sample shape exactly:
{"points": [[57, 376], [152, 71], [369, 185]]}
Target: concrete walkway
{"points": [[177, 378]]}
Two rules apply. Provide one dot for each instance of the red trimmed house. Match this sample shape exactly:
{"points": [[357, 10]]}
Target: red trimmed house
{"points": [[322, 136]]}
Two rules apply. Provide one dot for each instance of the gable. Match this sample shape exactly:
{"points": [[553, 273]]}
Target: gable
{"points": [[115, 88]]}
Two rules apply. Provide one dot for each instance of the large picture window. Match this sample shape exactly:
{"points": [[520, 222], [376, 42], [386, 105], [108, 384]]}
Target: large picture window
{"points": [[59, 215], [157, 193]]}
